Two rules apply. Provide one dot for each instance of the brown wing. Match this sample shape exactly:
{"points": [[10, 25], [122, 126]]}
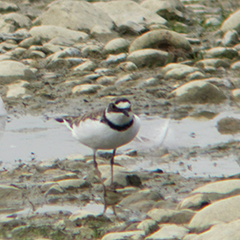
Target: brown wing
{"points": [[96, 114]]}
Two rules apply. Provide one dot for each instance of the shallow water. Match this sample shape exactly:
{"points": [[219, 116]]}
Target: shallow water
{"points": [[96, 209], [30, 137]]}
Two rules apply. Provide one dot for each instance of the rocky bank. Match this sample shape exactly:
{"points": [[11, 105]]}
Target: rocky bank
{"points": [[173, 59]]}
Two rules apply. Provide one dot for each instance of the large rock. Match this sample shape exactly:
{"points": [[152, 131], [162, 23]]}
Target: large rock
{"points": [[229, 125], [12, 70], [49, 32], [137, 234], [70, 184], [211, 192], [165, 40], [105, 170], [9, 195], [212, 62], [117, 45], [232, 22], [224, 188], [169, 232], [75, 15], [230, 38], [198, 92], [195, 202], [221, 52], [235, 65], [179, 71], [17, 89], [16, 20], [171, 216], [224, 211], [8, 7], [169, 9], [236, 93], [224, 231], [85, 66], [58, 59], [141, 195], [148, 57], [91, 217], [129, 15], [148, 226]]}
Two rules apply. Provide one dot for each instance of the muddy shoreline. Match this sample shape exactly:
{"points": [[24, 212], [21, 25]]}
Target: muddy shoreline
{"points": [[179, 66]]}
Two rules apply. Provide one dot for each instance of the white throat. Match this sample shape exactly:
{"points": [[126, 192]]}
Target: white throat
{"points": [[118, 118]]}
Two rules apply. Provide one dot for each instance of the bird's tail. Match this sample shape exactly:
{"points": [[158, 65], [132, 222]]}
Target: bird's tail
{"points": [[67, 121], [61, 120]]}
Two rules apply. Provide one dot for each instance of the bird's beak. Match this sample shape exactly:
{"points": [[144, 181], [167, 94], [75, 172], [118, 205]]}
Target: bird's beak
{"points": [[125, 112]]}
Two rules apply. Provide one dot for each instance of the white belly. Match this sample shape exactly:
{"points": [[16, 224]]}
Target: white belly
{"points": [[97, 135]]}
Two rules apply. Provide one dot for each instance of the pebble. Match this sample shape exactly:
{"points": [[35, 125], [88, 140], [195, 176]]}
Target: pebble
{"points": [[106, 80], [127, 78], [114, 59], [86, 89], [54, 190], [127, 66], [85, 66]]}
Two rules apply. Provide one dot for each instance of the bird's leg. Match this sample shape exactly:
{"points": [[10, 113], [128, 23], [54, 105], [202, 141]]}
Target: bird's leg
{"points": [[112, 162], [114, 210], [100, 178]]}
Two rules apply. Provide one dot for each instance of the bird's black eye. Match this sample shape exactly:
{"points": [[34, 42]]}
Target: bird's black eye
{"points": [[114, 106]]}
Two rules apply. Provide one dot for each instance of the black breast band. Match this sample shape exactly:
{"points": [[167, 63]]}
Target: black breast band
{"points": [[117, 127]]}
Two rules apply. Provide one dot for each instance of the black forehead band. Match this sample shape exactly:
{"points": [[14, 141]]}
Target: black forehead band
{"points": [[121, 100]]}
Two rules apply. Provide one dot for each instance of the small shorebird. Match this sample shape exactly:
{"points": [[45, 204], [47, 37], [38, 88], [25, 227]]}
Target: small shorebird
{"points": [[105, 128]]}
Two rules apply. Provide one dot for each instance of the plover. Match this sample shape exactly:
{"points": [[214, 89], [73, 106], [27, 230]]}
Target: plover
{"points": [[105, 128]]}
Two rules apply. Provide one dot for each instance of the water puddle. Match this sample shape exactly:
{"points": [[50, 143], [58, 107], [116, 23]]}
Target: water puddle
{"points": [[36, 137], [195, 167], [92, 207]]}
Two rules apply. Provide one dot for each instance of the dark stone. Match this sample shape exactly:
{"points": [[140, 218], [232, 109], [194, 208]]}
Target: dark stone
{"points": [[133, 180]]}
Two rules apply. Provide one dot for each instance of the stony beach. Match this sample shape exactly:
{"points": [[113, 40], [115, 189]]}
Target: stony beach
{"points": [[174, 60]]}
